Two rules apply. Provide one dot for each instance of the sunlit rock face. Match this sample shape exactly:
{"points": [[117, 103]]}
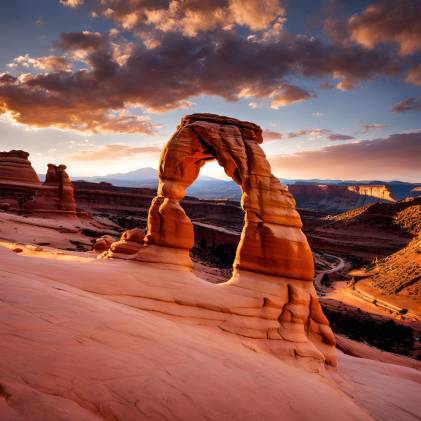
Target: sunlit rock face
{"points": [[22, 190], [15, 167], [56, 194], [18, 180], [334, 198], [273, 262]]}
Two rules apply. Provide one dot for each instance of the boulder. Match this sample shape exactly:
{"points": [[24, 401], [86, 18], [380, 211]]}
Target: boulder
{"points": [[103, 243]]}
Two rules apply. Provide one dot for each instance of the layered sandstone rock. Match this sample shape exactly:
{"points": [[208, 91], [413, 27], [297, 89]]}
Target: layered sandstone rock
{"points": [[130, 243], [18, 180], [21, 189], [273, 263], [15, 167], [334, 198], [103, 243], [56, 193]]}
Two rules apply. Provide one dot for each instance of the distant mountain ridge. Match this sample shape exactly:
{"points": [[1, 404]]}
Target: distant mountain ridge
{"points": [[206, 187]]}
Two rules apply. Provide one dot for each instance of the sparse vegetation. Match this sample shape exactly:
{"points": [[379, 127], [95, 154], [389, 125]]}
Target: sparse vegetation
{"points": [[386, 335]]}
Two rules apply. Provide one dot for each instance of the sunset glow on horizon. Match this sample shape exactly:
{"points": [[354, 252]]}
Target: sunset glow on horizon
{"points": [[101, 85]]}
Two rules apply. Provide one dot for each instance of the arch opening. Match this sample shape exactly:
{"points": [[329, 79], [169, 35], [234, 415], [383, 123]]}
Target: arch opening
{"points": [[271, 240]]}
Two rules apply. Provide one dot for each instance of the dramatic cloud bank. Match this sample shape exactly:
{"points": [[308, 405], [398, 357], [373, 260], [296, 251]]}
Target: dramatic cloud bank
{"points": [[395, 157], [177, 51]]}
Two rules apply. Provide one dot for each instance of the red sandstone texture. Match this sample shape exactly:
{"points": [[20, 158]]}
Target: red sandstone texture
{"points": [[273, 260], [16, 168], [57, 193]]}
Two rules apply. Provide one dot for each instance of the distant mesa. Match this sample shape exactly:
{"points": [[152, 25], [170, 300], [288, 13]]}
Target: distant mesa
{"points": [[273, 263], [337, 198], [22, 190]]}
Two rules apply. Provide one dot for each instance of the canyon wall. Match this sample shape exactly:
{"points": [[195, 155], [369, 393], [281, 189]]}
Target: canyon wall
{"points": [[334, 198]]}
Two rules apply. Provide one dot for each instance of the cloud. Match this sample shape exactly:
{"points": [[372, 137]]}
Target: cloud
{"points": [[85, 40], [389, 21], [367, 127], [414, 75], [271, 135], [228, 62], [336, 136], [410, 104], [189, 17], [254, 105], [318, 133], [394, 157], [50, 63], [114, 151], [289, 94], [72, 3], [315, 133], [53, 104]]}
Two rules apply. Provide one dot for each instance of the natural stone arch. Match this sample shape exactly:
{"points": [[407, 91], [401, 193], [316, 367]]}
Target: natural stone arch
{"points": [[273, 267], [272, 241]]}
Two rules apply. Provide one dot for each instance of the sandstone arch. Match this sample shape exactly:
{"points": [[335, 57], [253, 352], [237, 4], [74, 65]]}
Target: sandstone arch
{"points": [[273, 263], [272, 241]]}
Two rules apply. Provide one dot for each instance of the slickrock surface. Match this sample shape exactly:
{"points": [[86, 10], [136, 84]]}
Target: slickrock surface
{"points": [[88, 339], [15, 167], [273, 263]]}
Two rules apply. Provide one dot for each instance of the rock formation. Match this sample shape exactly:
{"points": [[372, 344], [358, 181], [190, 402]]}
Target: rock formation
{"points": [[103, 243], [15, 167], [273, 263], [56, 194], [59, 181], [21, 189], [334, 198], [18, 180], [130, 242]]}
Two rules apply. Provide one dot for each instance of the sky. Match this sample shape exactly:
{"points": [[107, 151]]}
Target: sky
{"points": [[101, 85]]}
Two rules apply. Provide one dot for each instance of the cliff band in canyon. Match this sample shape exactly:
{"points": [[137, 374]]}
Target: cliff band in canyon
{"points": [[273, 265]]}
